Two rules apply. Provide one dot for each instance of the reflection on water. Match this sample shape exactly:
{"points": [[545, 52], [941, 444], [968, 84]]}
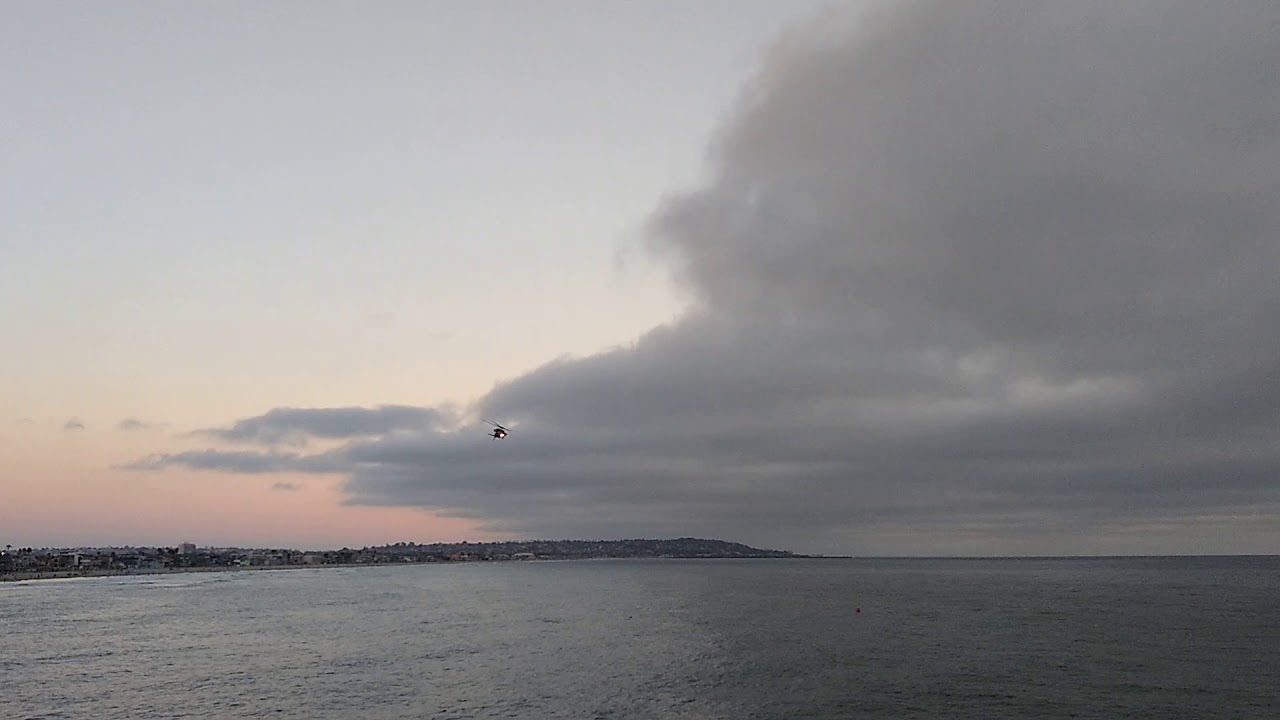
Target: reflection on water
{"points": [[654, 639]]}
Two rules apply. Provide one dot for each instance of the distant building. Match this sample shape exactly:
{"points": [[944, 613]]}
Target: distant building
{"points": [[186, 549]]}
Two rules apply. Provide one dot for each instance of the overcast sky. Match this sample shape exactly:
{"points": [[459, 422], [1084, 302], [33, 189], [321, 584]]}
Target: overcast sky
{"points": [[949, 277]]}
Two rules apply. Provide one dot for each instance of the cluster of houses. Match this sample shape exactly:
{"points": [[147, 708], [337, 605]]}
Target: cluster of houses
{"points": [[188, 556], [61, 560], [20, 562]]}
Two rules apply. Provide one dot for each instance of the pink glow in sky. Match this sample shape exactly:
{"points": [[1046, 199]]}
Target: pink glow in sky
{"points": [[235, 207]]}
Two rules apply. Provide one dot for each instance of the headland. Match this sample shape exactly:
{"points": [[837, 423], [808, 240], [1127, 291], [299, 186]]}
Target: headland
{"points": [[54, 563]]}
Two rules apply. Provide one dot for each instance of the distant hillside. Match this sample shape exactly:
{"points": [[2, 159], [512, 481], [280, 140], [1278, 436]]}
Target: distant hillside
{"points": [[585, 549], [29, 563]]}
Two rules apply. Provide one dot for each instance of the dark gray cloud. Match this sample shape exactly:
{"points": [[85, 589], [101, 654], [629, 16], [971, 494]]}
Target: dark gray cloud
{"points": [[968, 276], [242, 462], [286, 487], [134, 424], [296, 426]]}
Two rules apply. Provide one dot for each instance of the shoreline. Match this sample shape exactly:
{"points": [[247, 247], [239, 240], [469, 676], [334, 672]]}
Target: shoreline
{"points": [[27, 576]]}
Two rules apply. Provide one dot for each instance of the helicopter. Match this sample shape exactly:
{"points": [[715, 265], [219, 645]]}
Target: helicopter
{"points": [[499, 432]]}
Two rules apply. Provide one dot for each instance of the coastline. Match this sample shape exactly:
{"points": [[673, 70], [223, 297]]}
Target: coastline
{"points": [[27, 576]]}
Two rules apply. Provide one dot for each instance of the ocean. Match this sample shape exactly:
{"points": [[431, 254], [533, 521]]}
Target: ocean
{"points": [[1190, 637]]}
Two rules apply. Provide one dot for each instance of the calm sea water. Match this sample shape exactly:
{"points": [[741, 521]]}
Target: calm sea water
{"points": [[1061, 638]]}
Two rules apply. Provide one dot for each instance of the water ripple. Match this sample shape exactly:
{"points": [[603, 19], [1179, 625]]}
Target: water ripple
{"points": [[669, 640]]}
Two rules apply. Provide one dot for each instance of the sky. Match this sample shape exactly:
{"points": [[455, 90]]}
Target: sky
{"points": [[936, 277]]}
